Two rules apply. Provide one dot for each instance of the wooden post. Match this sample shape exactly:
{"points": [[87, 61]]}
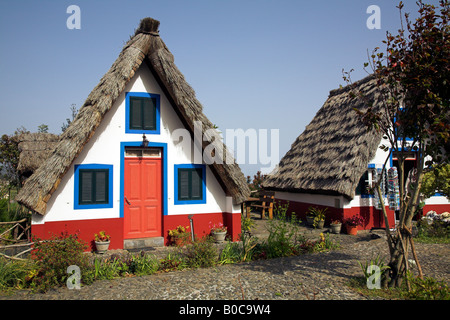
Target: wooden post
{"points": [[271, 208]]}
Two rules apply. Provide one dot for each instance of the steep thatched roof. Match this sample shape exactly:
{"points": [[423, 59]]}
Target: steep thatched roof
{"points": [[145, 46], [34, 149], [333, 152]]}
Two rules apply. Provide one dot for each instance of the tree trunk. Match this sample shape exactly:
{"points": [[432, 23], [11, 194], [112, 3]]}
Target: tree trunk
{"points": [[398, 264]]}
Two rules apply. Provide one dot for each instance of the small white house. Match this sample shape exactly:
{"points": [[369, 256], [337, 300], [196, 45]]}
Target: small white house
{"points": [[129, 163], [335, 159]]}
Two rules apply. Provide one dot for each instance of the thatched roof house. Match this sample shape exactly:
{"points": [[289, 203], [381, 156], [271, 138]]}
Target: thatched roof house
{"points": [[328, 162], [144, 70], [333, 152], [34, 149], [334, 161], [146, 46]]}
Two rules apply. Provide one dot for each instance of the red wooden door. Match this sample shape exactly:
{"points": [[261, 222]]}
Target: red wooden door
{"points": [[142, 191]]}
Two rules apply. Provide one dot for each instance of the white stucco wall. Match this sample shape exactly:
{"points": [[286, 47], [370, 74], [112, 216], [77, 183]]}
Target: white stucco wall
{"points": [[104, 148]]}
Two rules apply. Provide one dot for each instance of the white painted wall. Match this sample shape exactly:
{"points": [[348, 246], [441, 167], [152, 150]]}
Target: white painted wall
{"points": [[104, 148], [318, 199]]}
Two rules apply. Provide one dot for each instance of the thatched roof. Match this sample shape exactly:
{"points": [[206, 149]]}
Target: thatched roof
{"points": [[147, 47], [333, 152], [34, 149]]}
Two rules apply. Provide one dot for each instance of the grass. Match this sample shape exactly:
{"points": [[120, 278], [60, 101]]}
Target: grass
{"points": [[426, 289], [434, 233]]}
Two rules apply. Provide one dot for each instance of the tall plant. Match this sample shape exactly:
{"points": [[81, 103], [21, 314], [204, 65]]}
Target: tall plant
{"points": [[412, 79]]}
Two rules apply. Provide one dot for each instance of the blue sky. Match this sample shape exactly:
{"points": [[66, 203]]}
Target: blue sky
{"points": [[261, 64]]}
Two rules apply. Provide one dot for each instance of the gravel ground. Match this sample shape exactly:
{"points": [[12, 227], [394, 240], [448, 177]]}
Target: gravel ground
{"points": [[319, 276]]}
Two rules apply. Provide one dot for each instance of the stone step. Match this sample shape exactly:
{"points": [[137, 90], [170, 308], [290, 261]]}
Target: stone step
{"points": [[143, 243]]}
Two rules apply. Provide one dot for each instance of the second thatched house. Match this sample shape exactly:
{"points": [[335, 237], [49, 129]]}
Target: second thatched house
{"points": [[332, 163], [128, 164]]}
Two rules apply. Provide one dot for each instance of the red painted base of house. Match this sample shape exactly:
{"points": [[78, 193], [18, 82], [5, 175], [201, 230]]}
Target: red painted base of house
{"points": [[114, 227], [85, 230], [203, 222], [439, 208], [373, 218]]}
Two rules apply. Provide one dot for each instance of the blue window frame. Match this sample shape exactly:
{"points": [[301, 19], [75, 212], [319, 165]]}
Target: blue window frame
{"points": [[190, 184], [142, 113], [93, 186]]}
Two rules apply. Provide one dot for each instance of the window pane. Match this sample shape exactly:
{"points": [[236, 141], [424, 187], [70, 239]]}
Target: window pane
{"points": [[196, 184], [135, 113], [149, 114], [85, 186], [183, 184], [361, 188], [101, 183]]}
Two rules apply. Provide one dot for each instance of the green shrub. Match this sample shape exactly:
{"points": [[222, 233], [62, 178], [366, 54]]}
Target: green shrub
{"points": [[171, 262], [283, 233], [378, 261], [248, 241], [13, 274], [232, 253], [4, 214], [435, 232], [53, 257], [107, 269], [201, 253], [428, 289], [143, 264], [325, 244]]}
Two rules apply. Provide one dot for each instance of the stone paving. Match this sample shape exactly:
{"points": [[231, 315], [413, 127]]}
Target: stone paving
{"points": [[319, 276]]}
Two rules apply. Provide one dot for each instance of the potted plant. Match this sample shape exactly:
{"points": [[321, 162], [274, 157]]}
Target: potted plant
{"points": [[218, 231], [353, 223], [102, 241], [316, 217], [179, 236], [336, 226]]}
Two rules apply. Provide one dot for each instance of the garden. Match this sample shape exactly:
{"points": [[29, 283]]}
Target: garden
{"points": [[47, 267], [49, 260]]}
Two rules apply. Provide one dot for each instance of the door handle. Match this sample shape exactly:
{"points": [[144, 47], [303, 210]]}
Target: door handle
{"points": [[128, 202]]}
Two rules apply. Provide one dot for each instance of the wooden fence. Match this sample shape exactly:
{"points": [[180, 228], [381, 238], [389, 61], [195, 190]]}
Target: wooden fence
{"points": [[21, 233]]}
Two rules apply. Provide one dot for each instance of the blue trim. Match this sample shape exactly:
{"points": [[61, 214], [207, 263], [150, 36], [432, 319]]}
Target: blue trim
{"points": [[190, 166], [391, 157], [94, 166], [164, 172], [127, 112]]}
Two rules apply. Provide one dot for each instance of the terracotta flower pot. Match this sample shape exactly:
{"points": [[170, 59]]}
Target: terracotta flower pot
{"points": [[353, 230]]}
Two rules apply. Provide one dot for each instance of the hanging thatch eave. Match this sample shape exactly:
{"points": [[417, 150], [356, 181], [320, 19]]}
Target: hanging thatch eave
{"points": [[34, 149], [333, 152], [145, 45]]}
